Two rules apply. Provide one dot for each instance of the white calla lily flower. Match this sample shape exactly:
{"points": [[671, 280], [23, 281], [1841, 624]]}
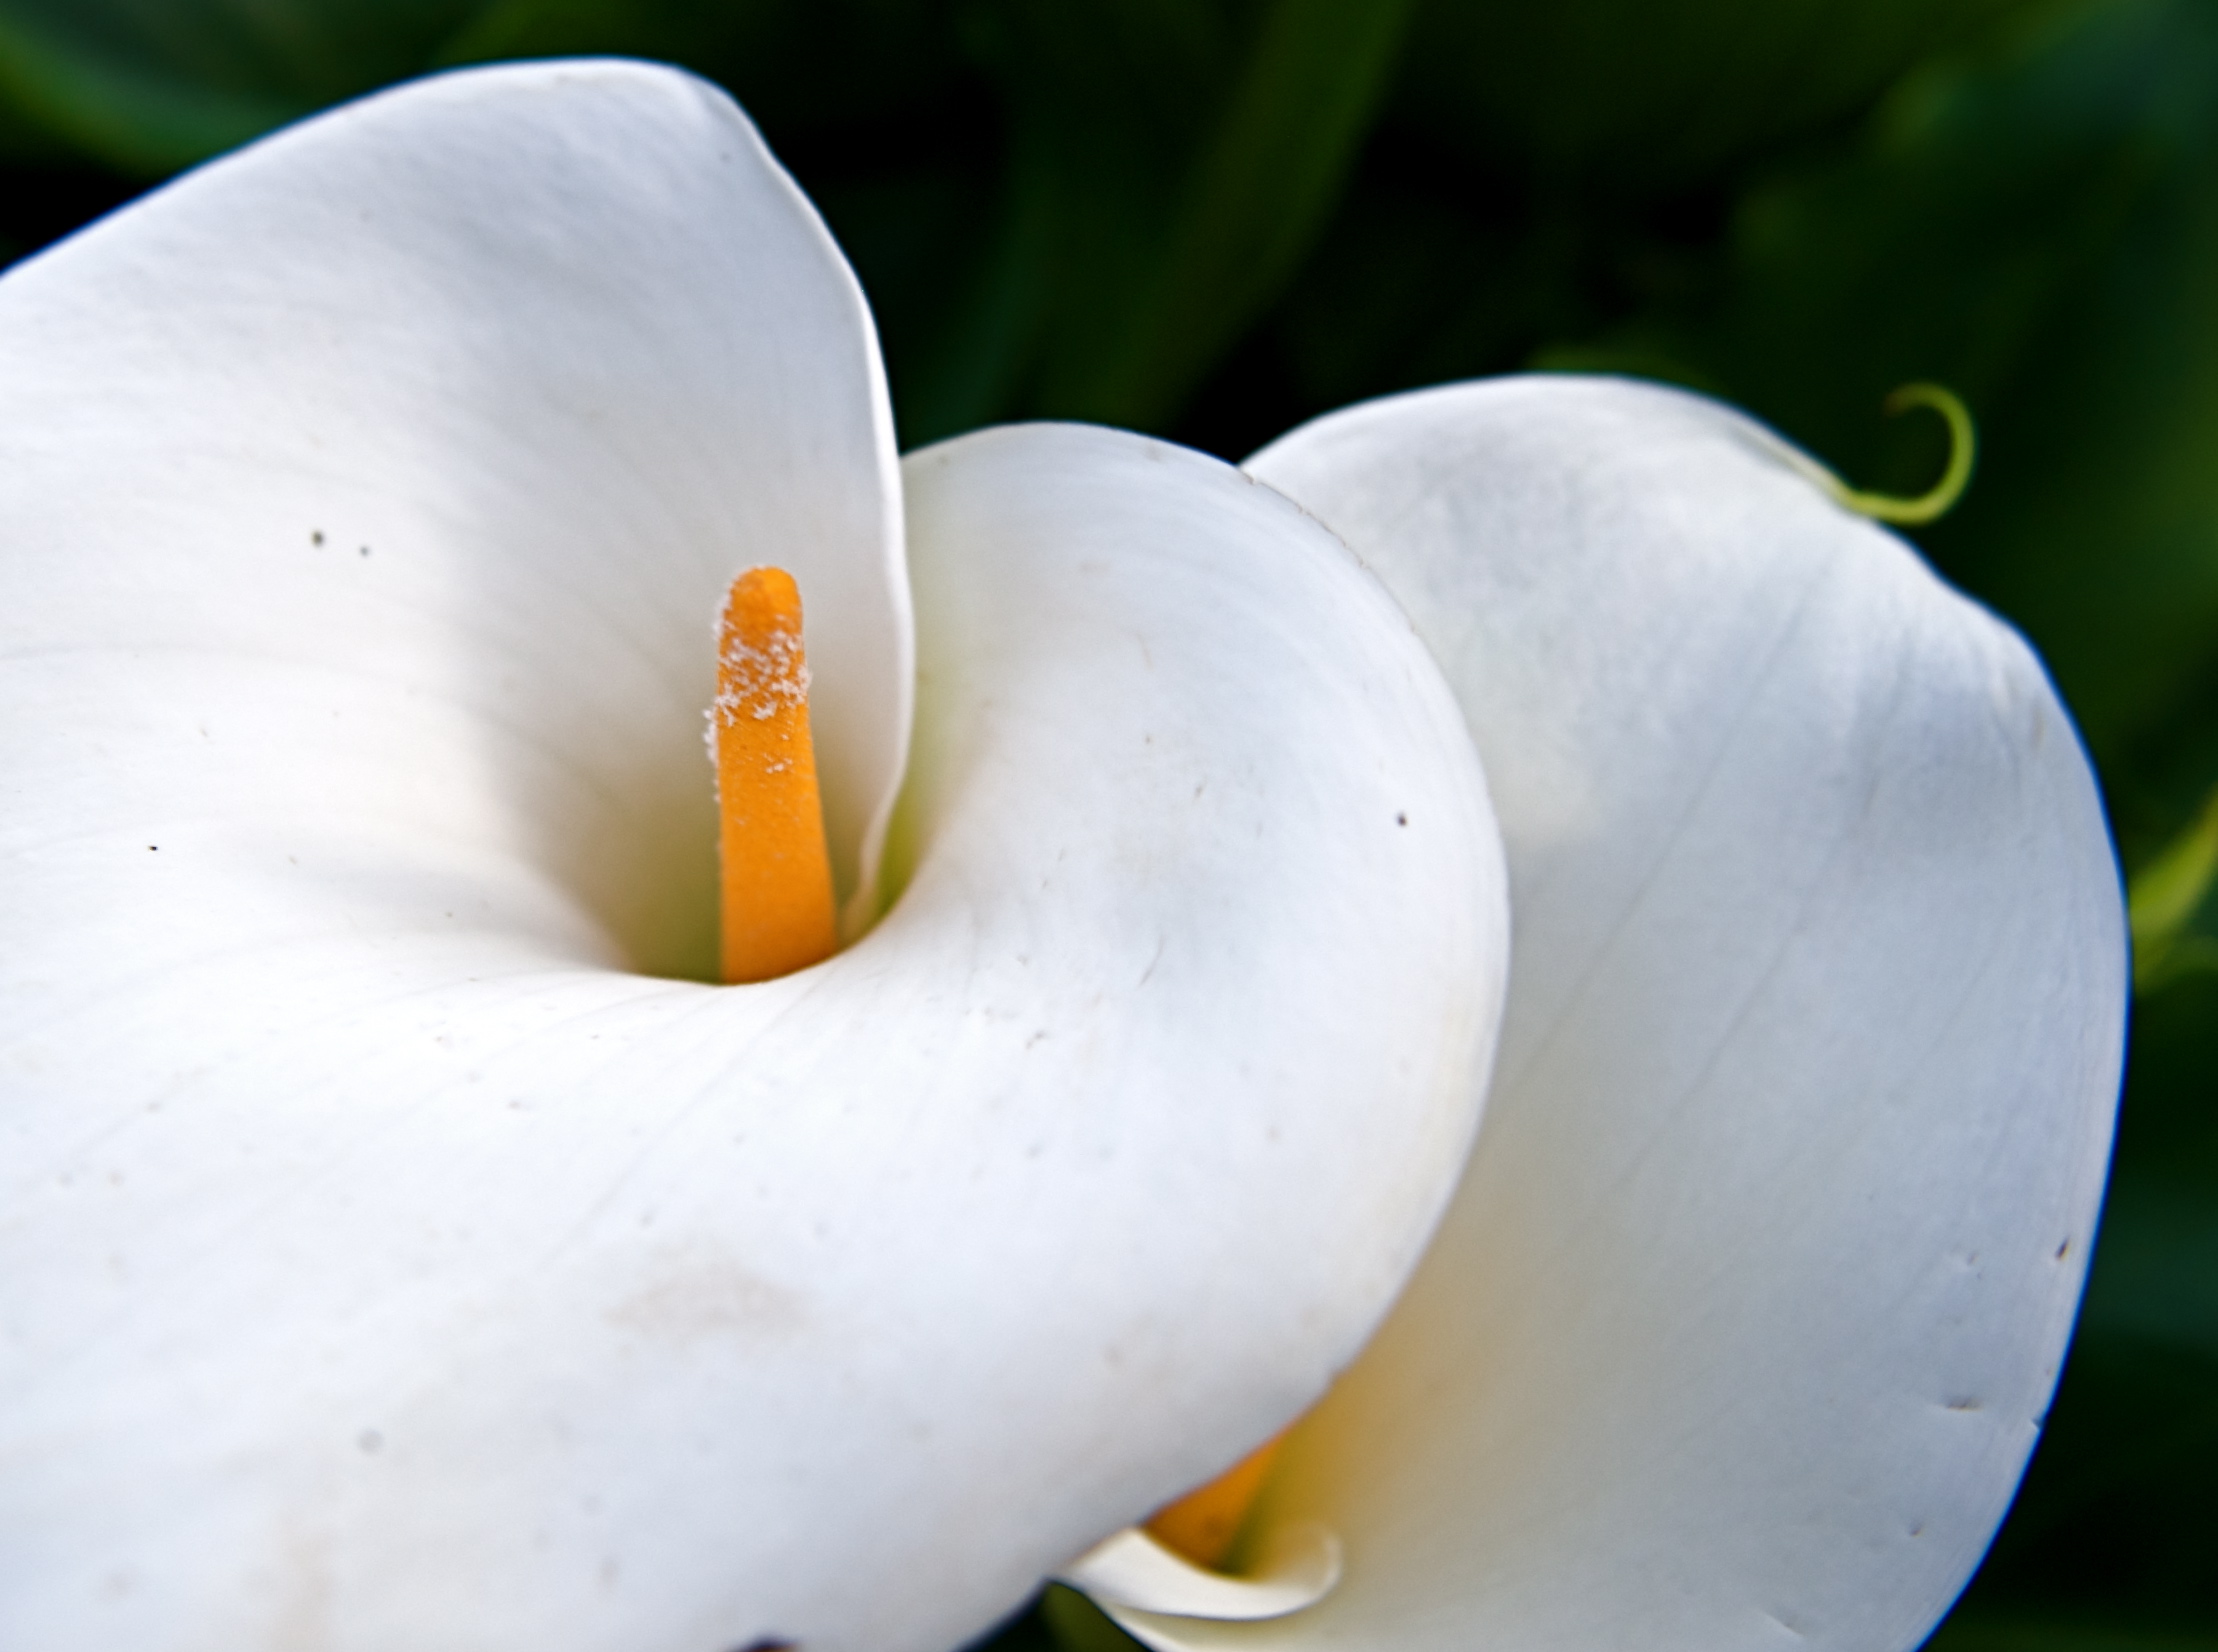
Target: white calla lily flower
{"points": [[397, 1256]]}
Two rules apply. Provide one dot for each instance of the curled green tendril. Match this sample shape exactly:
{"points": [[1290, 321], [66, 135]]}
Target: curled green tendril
{"points": [[1962, 446]]}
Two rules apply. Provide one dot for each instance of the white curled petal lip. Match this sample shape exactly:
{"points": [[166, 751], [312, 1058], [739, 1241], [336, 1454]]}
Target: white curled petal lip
{"points": [[390, 1258], [1750, 1305], [1299, 1564]]}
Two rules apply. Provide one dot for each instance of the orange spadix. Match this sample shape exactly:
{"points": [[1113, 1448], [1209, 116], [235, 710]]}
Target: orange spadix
{"points": [[1202, 1524], [777, 872]]}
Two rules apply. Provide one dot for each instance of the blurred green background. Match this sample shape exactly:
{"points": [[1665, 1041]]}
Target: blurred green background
{"points": [[1215, 218]]}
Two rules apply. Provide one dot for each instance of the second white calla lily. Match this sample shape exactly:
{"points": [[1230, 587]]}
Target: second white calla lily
{"points": [[1751, 1303]]}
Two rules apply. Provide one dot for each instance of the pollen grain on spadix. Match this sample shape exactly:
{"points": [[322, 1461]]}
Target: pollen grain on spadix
{"points": [[778, 912]]}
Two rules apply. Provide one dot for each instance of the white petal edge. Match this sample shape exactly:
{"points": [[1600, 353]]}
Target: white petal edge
{"points": [[1131, 1572], [487, 354], [1753, 1298], [387, 1268]]}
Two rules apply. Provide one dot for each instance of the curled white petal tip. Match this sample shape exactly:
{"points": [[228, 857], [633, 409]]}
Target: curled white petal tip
{"points": [[1297, 1565]]}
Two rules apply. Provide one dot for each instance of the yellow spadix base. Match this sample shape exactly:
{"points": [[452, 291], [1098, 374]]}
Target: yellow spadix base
{"points": [[1202, 1524], [778, 913]]}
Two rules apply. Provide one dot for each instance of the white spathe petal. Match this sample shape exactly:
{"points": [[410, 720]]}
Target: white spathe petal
{"points": [[1752, 1301], [482, 389], [1131, 1572], [385, 1268]]}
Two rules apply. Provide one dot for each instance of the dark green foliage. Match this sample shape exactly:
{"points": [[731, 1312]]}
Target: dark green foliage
{"points": [[147, 86]]}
